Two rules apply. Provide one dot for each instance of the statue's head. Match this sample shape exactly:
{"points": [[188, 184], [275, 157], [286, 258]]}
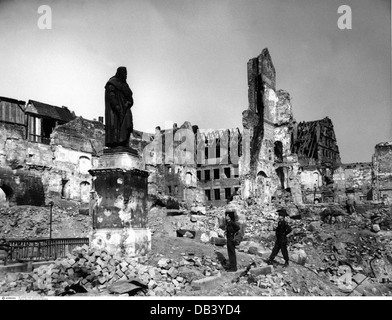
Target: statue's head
{"points": [[121, 73]]}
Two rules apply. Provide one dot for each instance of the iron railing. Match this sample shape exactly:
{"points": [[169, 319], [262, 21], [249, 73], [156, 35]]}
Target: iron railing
{"points": [[39, 138], [42, 249]]}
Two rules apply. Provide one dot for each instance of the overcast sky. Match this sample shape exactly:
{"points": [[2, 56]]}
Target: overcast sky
{"points": [[186, 60]]}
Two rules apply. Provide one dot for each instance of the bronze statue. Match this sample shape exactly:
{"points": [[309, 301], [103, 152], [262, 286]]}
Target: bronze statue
{"points": [[118, 115]]}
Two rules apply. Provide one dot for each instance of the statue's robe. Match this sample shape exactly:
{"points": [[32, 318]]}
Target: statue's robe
{"points": [[118, 117]]}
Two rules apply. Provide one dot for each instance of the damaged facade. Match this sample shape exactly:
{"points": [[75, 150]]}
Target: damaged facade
{"points": [[171, 163], [217, 165], [268, 168], [45, 153], [318, 154], [382, 172]]}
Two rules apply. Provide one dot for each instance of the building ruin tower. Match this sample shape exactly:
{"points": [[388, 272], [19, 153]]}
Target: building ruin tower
{"points": [[267, 167]]}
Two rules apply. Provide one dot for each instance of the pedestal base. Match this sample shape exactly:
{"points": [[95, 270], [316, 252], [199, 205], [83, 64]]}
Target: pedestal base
{"points": [[130, 242], [122, 159]]}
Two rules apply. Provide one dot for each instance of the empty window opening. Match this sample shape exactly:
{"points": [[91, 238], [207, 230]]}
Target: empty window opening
{"points": [[227, 193], [217, 194]]}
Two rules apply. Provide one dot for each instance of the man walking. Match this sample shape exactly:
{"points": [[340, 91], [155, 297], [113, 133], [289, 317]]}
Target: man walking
{"points": [[282, 230]]}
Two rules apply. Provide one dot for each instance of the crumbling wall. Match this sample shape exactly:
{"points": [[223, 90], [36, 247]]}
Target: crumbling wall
{"points": [[382, 172], [315, 143], [18, 184], [38, 173], [170, 158], [267, 164], [80, 135]]}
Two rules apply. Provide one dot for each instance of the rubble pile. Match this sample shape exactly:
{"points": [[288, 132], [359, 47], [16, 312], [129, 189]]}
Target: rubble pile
{"points": [[97, 271], [331, 253], [33, 222]]}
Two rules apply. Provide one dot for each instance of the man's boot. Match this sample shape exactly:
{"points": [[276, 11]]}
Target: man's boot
{"points": [[270, 261], [286, 264]]}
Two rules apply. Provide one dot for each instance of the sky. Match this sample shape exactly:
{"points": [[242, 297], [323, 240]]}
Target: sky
{"points": [[187, 60]]}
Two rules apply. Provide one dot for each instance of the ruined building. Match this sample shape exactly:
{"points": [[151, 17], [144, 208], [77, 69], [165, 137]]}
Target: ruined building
{"points": [[45, 153], [315, 143], [169, 156], [218, 165], [268, 168], [382, 172], [318, 154]]}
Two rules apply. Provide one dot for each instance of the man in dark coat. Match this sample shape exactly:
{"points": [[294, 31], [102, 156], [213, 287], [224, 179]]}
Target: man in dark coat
{"points": [[231, 228], [118, 115], [281, 232]]}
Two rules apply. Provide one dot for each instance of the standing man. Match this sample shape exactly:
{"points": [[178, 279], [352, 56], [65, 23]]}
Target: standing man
{"points": [[231, 228], [118, 115], [282, 230], [350, 204]]}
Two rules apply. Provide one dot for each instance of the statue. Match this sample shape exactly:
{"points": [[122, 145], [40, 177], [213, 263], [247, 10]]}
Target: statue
{"points": [[118, 115]]}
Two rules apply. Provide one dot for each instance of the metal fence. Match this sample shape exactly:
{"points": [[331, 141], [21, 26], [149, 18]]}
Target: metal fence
{"points": [[42, 249]]}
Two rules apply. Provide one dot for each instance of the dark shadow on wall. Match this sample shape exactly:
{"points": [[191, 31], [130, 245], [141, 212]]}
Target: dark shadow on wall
{"points": [[31, 192]]}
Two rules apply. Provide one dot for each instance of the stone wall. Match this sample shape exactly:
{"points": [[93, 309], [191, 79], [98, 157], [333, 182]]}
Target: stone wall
{"points": [[36, 173], [382, 172], [170, 158], [267, 165]]}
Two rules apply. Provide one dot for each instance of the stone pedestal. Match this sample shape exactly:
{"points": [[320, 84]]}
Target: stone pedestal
{"points": [[119, 204]]}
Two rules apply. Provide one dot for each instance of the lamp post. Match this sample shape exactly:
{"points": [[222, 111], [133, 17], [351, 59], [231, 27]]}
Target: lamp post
{"points": [[50, 219]]}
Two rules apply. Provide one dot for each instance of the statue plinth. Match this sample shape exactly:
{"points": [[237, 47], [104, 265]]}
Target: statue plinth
{"points": [[119, 204]]}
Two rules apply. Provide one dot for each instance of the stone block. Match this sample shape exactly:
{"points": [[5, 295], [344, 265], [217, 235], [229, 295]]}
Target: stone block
{"points": [[198, 210], [218, 241], [96, 272], [123, 269], [102, 280], [151, 272], [204, 237], [152, 284], [253, 250], [299, 256], [213, 234], [376, 228], [11, 277], [163, 263], [345, 288], [206, 283], [261, 270], [119, 273], [358, 278], [70, 272]]}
